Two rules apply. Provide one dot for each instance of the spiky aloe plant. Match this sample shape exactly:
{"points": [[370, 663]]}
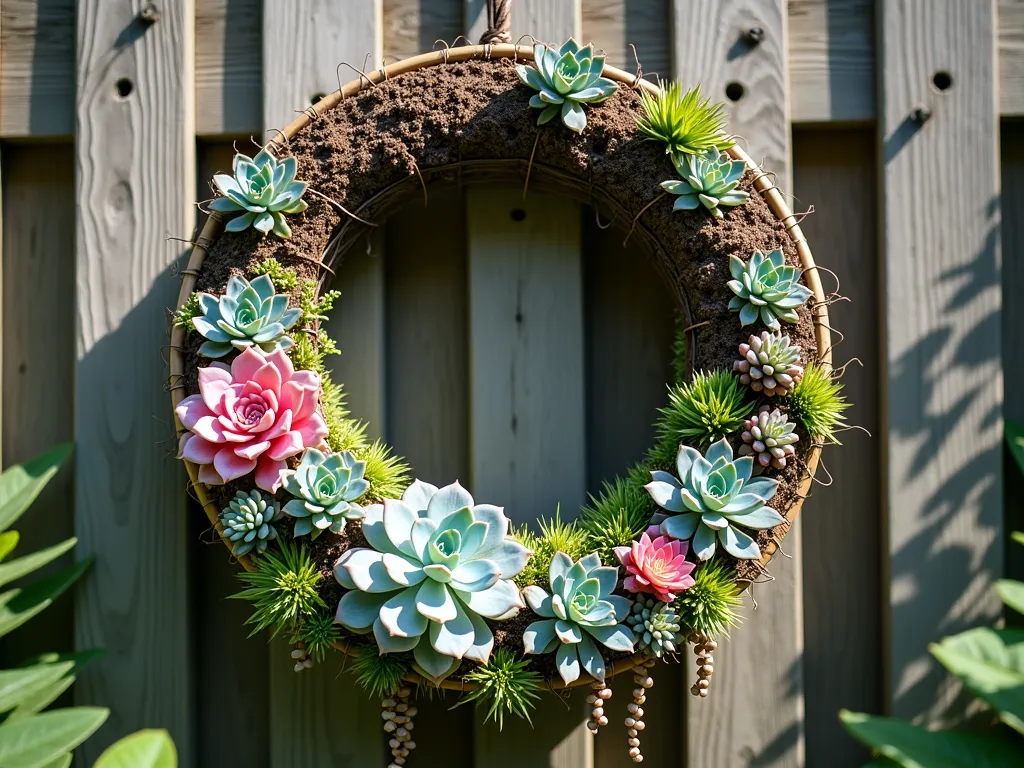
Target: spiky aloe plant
{"points": [[682, 121], [378, 674], [504, 686], [282, 589], [617, 515], [709, 606], [555, 536], [701, 411], [817, 403]]}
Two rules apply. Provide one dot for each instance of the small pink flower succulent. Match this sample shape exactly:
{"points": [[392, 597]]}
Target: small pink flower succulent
{"points": [[656, 564], [251, 415]]}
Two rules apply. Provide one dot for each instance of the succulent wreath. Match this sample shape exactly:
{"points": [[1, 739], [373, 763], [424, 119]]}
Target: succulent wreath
{"points": [[413, 580]]}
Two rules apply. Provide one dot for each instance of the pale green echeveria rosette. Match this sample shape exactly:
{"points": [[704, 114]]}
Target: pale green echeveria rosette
{"points": [[247, 314], [565, 79], [767, 287], [709, 179], [259, 194], [439, 565], [713, 497], [247, 521], [325, 487], [580, 613]]}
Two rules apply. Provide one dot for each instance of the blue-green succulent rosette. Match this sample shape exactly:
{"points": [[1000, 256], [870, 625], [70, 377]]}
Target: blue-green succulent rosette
{"points": [[248, 314], [438, 565], [324, 488], [565, 79]]}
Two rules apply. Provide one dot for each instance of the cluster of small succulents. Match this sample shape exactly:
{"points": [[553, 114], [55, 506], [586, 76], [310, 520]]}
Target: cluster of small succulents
{"points": [[766, 287], [710, 179], [247, 314], [260, 191], [769, 437], [769, 364], [655, 626], [565, 79], [247, 521]]}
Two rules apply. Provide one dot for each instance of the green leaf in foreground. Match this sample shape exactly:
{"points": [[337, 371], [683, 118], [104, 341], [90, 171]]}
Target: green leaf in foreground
{"points": [[144, 749], [1011, 593], [19, 605], [38, 741], [17, 685], [8, 541], [990, 662], [21, 483], [1014, 434], [23, 566], [913, 747]]}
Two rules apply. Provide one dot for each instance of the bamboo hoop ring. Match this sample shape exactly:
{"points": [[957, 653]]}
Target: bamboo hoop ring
{"points": [[762, 183]]}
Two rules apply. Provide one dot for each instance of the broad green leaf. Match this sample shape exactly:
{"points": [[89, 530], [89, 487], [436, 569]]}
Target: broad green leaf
{"points": [[144, 749], [913, 747], [61, 762], [37, 741], [1011, 593], [81, 659], [23, 566], [16, 685], [21, 483], [1018, 536], [19, 605], [8, 541], [990, 662], [39, 701]]}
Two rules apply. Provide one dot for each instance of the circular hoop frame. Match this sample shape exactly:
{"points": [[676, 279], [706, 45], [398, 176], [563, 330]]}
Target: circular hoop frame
{"points": [[214, 225]]}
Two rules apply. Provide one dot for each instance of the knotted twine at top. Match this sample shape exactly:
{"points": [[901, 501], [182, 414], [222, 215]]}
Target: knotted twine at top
{"points": [[499, 22]]}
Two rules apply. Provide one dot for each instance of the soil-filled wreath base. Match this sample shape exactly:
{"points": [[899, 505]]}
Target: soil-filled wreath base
{"points": [[374, 205]]}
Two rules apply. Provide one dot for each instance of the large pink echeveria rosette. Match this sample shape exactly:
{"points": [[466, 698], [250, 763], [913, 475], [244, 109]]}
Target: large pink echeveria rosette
{"points": [[657, 565], [250, 416]]}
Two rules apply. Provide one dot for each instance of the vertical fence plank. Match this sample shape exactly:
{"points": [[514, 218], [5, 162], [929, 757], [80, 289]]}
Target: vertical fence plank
{"points": [[943, 382], [320, 720], [134, 126], [756, 709], [39, 359], [835, 170]]}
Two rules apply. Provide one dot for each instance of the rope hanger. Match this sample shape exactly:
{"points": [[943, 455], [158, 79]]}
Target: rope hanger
{"points": [[499, 22]]}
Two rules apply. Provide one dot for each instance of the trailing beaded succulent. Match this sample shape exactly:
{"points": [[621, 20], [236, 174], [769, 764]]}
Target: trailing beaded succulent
{"points": [[712, 499], [248, 314], [681, 121], [566, 79], [655, 626], [580, 610], [439, 565], [769, 437], [770, 364], [259, 193], [767, 287], [247, 521], [709, 179], [325, 487]]}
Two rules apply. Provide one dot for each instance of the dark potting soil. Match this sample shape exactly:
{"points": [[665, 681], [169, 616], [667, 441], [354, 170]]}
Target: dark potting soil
{"points": [[445, 123]]}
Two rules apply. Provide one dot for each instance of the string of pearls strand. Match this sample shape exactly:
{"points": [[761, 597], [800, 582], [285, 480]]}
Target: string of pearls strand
{"points": [[397, 714], [634, 721], [597, 700], [702, 648], [302, 660]]}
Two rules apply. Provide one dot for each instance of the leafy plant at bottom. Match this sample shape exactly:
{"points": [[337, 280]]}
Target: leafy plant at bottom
{"points": [[817, 403], [504, 685], [616, 517], [709, 606], [709, 179], [379, 674], [580, 610], [701, 411], [259, 193], [566, 79], [554, 536], [282, 589], [766, 287], [682, 121], [713, 497]]}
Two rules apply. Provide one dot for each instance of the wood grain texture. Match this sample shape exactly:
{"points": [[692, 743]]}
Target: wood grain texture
{"points": [[835, 171], [943, 383], [756, 711], [38, 221], [129, 499], [832, 61], [1011, 57], [229, 71], [612, 25], [321, 720], [629, 317], [412, 26]]}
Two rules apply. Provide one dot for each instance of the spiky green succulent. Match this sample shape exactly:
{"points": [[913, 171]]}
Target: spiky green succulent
{"points": [[378, 674], [580, 610], [565, 79], [616, 516], [439, 565], [504, 685], [709, 606], [709, 179], [325, 488], [259, 193], [769, 437], [282, 588], [319, 633], [247, 521], [555, 535], [766, 287], [681, 121], [712, 499], [705, 409], [655, 627], [247, 314], [817, 403]]}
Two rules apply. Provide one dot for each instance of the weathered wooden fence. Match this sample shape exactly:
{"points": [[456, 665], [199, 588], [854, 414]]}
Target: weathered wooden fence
{"points": [[884, 115]]}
